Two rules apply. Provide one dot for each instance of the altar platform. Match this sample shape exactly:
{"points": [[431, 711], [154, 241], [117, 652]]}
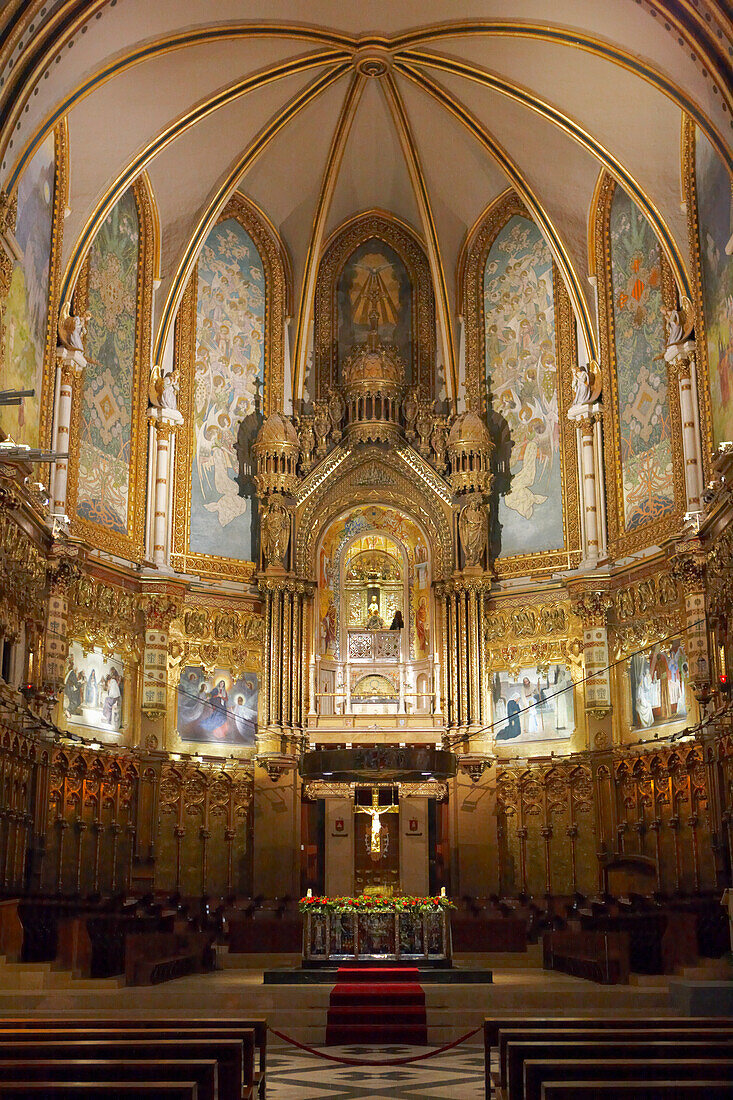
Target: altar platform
{"points": [[427, 974]]}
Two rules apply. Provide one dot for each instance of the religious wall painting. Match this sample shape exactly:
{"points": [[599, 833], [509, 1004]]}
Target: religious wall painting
{"points": [[532, 704], [715, 224], [108, 400], [374, 279], [227, 388], [95, 689], [217, 707], [25, 311], [657, 681], [643, 410], [521, 378]]}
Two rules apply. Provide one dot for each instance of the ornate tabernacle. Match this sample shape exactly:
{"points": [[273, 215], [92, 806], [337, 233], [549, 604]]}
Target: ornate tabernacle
{"points": [[344, 929]]}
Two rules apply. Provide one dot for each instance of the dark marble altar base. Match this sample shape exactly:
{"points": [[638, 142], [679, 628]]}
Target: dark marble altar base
{"points": [[434, 973]]}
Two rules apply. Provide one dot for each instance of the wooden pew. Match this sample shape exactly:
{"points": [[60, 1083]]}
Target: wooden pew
{"points": [[494, 1024], [98, 1090], [636, 1090], [538, 1072], [228, 1053], [613, 1045], [257, 1024], [203, 1073], [598, 956]]}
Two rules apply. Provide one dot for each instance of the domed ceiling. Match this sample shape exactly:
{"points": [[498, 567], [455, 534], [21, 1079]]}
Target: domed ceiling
{"points": [[318, 112]]}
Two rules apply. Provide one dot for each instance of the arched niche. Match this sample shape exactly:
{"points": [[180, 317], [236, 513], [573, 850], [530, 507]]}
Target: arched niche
{"points": [[520, 351], [644, 462], [229, 352], [107, 466], [399, 259]]}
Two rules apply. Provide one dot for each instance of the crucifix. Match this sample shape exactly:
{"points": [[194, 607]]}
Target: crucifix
{"points": [[376, 811]]}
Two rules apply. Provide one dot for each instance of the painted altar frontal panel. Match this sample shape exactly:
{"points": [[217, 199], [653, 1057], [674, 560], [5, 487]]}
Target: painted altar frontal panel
{"points": [[715, 223], [521, 370], [95, 689], [532, 706], [106, 427], [657, 682], [25, 310], [643, 404], [219, 707], [228, 376], [375, 278]]}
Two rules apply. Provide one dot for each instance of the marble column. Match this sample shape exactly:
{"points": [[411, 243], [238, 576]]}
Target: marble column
{"points": [[591, 602], [64, 570], [160, 603], [70, 367], [688, 566], [461, 601], [164, 424], [587, 419], [680, 369], [285, 599]]}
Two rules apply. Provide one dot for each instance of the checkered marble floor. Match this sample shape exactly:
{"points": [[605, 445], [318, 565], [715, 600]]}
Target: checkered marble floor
{"points": [[295, 1075]]}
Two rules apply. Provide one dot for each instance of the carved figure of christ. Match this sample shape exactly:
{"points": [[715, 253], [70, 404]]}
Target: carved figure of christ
{"points": [[376, 811]]}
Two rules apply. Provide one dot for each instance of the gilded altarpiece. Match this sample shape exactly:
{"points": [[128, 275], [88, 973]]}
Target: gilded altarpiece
{"points": [[108, 467], [229, 353], [642, 435], [348, 241], [525, 404]]}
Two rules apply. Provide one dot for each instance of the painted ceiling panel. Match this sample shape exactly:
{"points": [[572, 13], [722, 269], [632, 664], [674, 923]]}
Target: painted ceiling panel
{"points": [[286, 182], [460, 185], [124, 116], [373, 170], [183, 192]]}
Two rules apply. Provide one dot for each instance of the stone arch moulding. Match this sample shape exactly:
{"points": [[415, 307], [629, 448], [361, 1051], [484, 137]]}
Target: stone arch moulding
{"points": [[380, 479], [471, 275], [407, 244], [131, 544], [276, 267], [623, 541]]}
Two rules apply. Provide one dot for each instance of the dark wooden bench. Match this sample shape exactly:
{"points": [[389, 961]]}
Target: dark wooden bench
{"points": [[611, 1045], [202, 1072], [597, 956], [541, 1071], [256, 1024], [154, 957], [638, 1090], [227, 1053], [488, 933], [98, 1090], [493, 1025]]}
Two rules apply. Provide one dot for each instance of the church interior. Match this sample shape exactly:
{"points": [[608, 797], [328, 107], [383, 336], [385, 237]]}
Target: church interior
{"points": [[366, 542]]}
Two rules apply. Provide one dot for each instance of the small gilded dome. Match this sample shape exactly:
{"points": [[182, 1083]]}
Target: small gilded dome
{"points": [[366, 364], [469, 429], [276, 432]]}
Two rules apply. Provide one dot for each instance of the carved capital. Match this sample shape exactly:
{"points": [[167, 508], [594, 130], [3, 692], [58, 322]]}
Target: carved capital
{"points": [[591, 605], [687, 566]]}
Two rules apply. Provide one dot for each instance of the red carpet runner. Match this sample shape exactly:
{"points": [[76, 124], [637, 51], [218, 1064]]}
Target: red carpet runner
{"points": [[377, 1005]]}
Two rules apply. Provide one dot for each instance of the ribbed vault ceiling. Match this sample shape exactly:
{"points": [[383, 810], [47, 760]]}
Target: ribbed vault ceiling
{"points": [[544, 93]]}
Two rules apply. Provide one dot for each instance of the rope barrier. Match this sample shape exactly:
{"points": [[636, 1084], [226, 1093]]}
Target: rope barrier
{"points": [[357, 1062]]}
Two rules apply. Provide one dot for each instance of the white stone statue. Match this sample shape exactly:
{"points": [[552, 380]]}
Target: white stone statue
{"points": [[582, 379], [71, 329], [680, 323], [473, 528], [163, 389]]}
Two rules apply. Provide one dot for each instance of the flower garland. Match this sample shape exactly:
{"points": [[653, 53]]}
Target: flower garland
{"points": [[374, 902]]}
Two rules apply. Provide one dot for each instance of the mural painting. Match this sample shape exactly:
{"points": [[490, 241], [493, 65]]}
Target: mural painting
{"points": [[521, 371], [108, 396], [94, 689], [218, 706], [375, 276], [657, 680], [25, 310], [715, 217], [228, 381], [366, 519], [643, 405], [533, 706]]}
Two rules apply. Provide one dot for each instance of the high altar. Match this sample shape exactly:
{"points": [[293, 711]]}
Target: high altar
{"points": [[407, 929]]}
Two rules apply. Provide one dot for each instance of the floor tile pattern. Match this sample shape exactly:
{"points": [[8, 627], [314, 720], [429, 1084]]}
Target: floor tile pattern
{"points": [[295, 1075]]}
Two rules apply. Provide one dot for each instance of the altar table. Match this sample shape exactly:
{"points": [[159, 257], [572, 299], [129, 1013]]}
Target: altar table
{"points": [[334, 936]]}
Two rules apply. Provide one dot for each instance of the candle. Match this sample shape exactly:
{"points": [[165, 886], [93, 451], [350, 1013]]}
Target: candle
{"points": [[442, 891], [310, 893]]}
